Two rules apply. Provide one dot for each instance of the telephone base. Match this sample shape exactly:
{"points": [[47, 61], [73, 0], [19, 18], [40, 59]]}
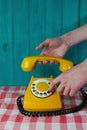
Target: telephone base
{"points": [[38, 98], [52, 113]]}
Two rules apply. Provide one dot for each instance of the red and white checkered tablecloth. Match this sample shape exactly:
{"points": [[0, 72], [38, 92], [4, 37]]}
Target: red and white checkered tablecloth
{"points": [[12, 119]]}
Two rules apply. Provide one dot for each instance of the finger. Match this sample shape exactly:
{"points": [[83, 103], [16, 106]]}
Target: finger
{"points": [[72, 92], [43, 44], [52, 62], [45, 62], [60, 89], [53, 83], [40, 62], [39, 47], [51, 87], [66, 91]]}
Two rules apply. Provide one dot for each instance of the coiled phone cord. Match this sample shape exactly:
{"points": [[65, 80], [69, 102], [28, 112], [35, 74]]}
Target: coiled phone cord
{"points": [[52, 113]]}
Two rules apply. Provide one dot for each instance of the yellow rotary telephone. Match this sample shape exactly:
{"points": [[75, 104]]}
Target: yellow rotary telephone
{"points": [[37, 100]]}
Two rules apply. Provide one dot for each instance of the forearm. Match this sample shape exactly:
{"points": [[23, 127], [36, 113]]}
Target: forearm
{"points": [[75, 36]]}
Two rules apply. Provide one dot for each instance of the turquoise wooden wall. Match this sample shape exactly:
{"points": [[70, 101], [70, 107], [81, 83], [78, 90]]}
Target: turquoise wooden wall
{"points": [[26, 23]]}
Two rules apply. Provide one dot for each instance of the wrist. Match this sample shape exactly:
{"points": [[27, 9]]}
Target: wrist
{"points": [[64, 42], [84, 64], [67, 39], [76, 36]]}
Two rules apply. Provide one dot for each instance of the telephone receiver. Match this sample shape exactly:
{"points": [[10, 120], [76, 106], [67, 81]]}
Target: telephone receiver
{"points": [[29, 63]]}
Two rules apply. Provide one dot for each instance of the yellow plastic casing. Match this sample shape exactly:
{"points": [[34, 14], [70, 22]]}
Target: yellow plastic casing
{"points": [[29, 63], [36, 104]]}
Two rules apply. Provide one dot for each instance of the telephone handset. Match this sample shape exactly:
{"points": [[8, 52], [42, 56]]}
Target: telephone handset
{"points": [[37, 100], [29, 63]]}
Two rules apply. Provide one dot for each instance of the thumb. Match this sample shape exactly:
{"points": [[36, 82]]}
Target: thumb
{"points": [[43, 44]]}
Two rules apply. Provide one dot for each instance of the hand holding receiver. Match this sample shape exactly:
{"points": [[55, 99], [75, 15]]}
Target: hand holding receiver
{"points": [[29, 63]]}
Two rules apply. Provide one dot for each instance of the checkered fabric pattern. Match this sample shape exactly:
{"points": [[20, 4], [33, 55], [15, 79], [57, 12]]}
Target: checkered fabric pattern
{"points": [[12, 119]]}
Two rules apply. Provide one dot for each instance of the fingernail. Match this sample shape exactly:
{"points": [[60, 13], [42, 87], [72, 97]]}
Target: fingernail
{"points": [[51, 90]]}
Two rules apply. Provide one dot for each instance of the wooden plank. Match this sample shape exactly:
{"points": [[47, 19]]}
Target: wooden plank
{"points": [[37, 31], [53, 29], [82, 48], [21, 39], [70, 13], [6, 43], [53, 18]]}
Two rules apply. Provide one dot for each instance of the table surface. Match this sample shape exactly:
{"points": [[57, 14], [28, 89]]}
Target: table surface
{"points": [[12, 119]]}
